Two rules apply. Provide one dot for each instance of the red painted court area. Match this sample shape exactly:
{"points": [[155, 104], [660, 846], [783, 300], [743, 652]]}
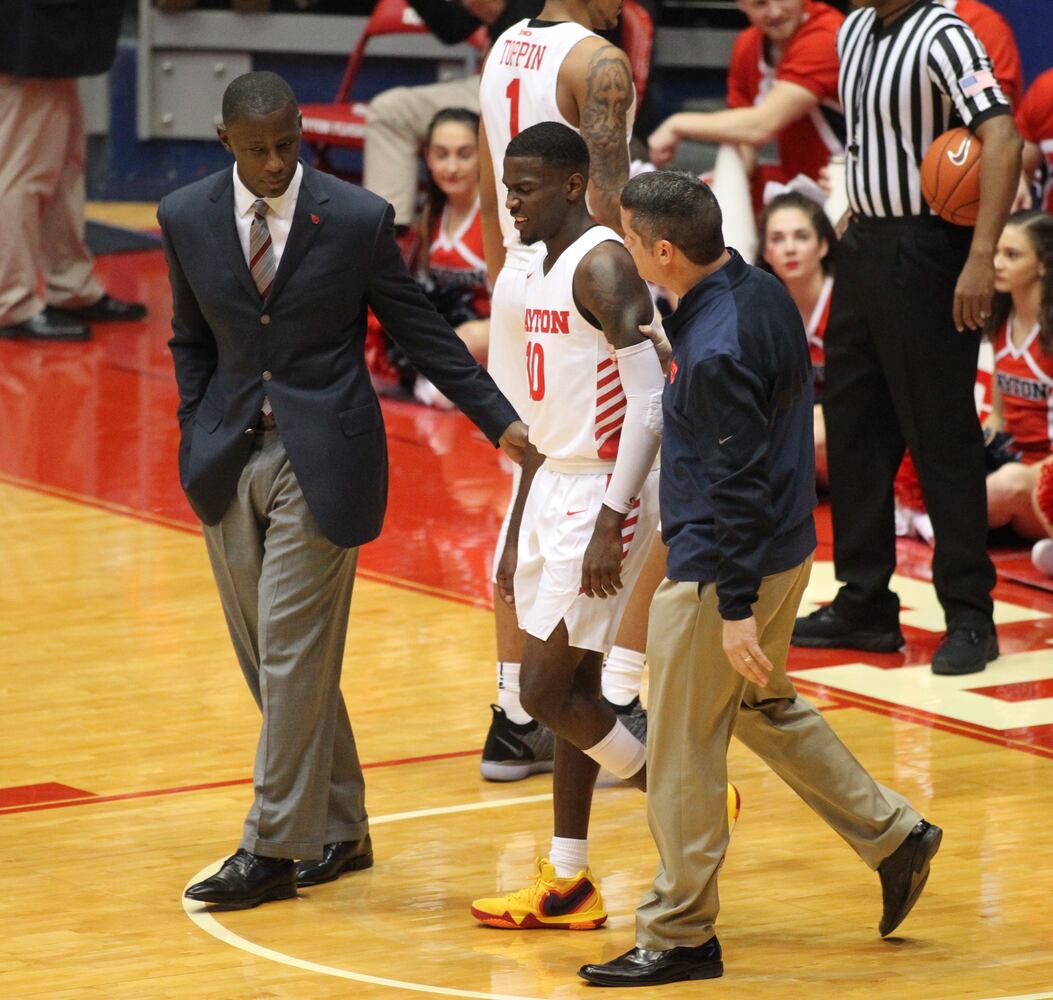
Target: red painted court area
{"points": [[96, 422]]}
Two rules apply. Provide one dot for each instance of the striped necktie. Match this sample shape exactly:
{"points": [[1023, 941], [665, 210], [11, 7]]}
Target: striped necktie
{"points": [[262, 262]]}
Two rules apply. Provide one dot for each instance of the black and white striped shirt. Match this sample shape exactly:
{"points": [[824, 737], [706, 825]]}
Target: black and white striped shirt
{"points": [[901, 86]]}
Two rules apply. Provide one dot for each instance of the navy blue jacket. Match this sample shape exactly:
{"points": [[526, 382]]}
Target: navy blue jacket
{"points": [[303, 347], [738, 462]]}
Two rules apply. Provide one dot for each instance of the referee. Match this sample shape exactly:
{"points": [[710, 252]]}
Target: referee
{"points": [[911, 294]]}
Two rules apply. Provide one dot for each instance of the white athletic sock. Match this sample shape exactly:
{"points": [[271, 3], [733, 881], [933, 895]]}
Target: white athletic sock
{"points": [[622, 674], [568, 856], [508, 692], [620, 752]]}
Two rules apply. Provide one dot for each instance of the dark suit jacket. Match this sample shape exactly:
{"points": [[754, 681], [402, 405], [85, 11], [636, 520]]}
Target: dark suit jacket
{"points": [[303, 347], [58, 38]]}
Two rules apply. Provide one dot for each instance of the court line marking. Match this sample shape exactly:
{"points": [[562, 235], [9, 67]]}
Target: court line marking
{"points": [[149, 793], [210, 925]]}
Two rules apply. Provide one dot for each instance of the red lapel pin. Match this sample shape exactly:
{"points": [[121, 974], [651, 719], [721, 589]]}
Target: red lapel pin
{"points": [[315, 219]]}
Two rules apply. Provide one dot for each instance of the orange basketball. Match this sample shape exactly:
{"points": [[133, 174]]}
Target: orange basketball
{"points": [[950, 176]]}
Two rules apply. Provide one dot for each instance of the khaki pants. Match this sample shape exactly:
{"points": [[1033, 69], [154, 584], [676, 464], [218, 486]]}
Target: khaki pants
{"points": [[42, 199], [286, 592], [697, 702], [396, 127]]}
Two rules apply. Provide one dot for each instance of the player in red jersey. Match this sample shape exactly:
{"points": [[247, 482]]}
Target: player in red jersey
{"points": [[1034, 118], [782, 86], [797, 242], [1022, 325]]}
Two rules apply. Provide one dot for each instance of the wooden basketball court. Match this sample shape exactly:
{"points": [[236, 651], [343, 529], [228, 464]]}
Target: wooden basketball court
{"points": [[128, 737]]}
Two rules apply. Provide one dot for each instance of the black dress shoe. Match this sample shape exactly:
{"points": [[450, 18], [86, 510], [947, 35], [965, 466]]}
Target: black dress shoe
{"points": [[245, 881], [827, 628], [45, 326], [904, 873], [106, 310], [640, 967], [339, 857], [965, 650]]}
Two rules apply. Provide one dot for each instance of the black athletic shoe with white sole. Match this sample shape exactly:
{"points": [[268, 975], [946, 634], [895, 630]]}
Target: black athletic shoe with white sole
{"points": [[513, 751]]}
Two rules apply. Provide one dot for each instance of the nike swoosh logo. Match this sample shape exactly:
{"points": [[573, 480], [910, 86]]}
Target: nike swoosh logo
{"points": [[557, 904], [571, 513], [516, 750], [961, 154], [725, 440]]}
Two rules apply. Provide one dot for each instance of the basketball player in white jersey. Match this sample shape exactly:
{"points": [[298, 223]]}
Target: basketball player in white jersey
{"points": [[553, 68], [587, 506]]}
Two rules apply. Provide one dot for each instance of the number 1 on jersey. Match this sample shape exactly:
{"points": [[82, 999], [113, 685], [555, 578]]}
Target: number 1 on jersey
{"points": [[512, 93]]}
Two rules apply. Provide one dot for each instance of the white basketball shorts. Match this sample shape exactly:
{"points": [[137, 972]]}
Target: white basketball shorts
{"points": [[558, 521]]}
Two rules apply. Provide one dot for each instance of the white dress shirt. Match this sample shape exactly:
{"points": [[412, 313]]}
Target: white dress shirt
{"points": [[279, 218]]}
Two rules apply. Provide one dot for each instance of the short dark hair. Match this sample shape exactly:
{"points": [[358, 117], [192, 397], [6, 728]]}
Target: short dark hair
{"points": [[676, 206], [259, 93], [553, 143]]}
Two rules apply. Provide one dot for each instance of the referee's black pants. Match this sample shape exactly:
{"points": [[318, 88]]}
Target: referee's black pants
{"points": [[899, 374]]}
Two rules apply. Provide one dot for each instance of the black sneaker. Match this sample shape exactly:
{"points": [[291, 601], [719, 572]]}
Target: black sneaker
{"points": [[904, 873], [513, 751], [829, 629], [633, 716], [965, 650]]}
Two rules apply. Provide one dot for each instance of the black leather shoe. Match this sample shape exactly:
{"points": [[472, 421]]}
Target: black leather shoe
{"points": [[342, 856], [640, 967], [106, 310], [904, 873], [45, 326], [827, 628], [965, 651], [245, 881]]}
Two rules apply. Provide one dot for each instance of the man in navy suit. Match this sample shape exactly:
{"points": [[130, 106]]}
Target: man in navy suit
{"points": [[283, 457]]}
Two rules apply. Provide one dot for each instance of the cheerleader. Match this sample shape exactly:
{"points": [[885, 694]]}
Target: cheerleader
{"points": [[1021, 327], [449, 262], [797, 243]]}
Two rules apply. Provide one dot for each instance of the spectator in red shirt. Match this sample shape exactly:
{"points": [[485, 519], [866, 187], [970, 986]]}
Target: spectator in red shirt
{"points": [[997, 38], [782, 86], [1034, 118]]}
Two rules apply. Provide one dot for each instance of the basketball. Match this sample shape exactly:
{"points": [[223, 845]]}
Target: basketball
{"points": [[950, 176]]}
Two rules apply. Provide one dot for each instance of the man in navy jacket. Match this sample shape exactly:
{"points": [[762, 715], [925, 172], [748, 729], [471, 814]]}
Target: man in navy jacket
{"points": [[736, 496], [283, 456]]}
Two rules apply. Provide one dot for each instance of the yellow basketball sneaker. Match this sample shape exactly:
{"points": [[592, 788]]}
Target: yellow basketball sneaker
{"points": [[548, 903]]}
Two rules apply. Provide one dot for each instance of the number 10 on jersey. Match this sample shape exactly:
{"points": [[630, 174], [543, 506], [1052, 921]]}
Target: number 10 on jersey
{"points": [[535, 365]]}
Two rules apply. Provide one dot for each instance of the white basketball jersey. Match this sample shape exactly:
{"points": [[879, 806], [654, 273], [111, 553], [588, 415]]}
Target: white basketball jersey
{"points": [[577, 404], [518, 89]]}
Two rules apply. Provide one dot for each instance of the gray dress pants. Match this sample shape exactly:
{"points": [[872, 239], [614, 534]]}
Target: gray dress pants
{"points": [[286, 593]]}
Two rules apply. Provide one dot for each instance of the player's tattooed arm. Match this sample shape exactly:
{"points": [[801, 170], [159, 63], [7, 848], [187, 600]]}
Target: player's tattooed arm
{"points": [[607, 288], [603, 122]]}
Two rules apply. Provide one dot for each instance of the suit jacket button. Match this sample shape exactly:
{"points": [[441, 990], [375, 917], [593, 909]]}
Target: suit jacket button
{"points": [[265, 319], [249, 430], [266, 376]]}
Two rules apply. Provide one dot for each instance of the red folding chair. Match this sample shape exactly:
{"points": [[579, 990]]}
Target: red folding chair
{"points": [[342, 123]]}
